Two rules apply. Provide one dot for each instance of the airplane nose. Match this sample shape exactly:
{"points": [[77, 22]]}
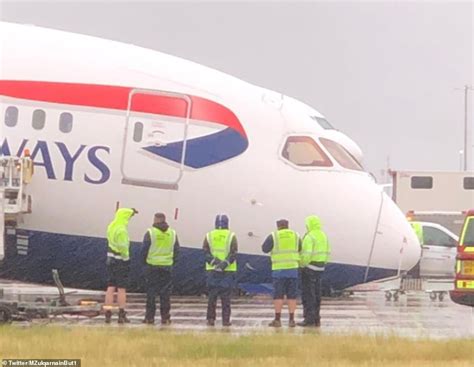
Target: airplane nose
{"points": [[396, 244]]}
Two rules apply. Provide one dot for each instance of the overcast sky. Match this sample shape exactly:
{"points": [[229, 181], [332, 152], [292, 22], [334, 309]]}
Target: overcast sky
{"points": [[384, 73]]}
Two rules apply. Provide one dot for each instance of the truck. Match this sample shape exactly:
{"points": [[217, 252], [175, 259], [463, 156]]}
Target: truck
{"points": [[438, 200], [441, 197], [463, 292]]}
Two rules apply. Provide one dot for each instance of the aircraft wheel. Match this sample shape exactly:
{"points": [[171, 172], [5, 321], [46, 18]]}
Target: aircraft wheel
{"points": [[441, 296], [388, 295], [42, 314], [5, 315], [433, 296], [395, 296]]}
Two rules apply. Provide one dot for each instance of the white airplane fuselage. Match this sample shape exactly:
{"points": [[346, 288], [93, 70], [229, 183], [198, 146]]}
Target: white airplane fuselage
{"points": [[122, 124]]}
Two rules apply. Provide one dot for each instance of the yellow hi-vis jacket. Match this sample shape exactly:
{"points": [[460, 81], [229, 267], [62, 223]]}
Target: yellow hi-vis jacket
{"points": [[117, 235], [316, 248], [418, 228]]}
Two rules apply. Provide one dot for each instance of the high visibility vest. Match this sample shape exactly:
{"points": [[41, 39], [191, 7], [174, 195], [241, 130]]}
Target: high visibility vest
{"points": [[316, 247], [418, 228], [285, 254], [219, 241], [161, 247]]}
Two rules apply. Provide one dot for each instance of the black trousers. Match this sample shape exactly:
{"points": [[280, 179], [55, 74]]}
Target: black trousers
{"points": [[311, 294], [158, 281], [225, 294], [219, 285]]}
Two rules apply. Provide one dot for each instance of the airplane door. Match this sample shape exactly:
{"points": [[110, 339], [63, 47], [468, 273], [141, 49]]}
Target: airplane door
{"points": [[156, 131]]}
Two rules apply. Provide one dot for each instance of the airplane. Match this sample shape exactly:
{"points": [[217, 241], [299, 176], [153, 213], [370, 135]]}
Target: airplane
{"points": [[111, 124]]}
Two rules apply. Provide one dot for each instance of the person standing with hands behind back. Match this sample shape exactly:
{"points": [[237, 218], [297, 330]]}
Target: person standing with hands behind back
{"points": [[220, 246]]}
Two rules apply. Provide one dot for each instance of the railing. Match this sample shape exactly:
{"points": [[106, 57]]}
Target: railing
{"points": [[15, 174]]}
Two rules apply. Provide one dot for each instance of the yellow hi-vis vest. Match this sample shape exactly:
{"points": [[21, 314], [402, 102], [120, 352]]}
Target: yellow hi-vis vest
{"points": [[220, 241], [161, 247], [285, 254], [418, 228]]}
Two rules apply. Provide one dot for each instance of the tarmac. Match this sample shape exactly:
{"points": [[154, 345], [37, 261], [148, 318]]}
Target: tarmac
{"points": [[414, 314]]}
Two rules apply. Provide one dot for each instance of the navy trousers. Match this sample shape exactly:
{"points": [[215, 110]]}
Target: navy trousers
{"points": [[219, 286]]}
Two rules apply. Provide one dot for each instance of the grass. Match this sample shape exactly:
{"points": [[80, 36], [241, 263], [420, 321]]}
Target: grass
{"points": [[146, 347]]}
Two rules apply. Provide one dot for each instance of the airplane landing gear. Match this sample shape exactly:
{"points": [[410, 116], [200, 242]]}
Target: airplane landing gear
{"points": [[395, 295], [437, 295]]}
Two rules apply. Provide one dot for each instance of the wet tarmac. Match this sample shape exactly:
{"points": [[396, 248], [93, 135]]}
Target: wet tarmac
{"points": [[413, 315]]}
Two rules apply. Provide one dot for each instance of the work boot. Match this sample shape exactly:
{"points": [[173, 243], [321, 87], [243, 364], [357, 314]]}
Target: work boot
{"points": [[122, 317], [305, 323], [291, 323], [226, 323], [317, 323], [148, 321], [166, 321], [211, 322], [108, 317], [275, 323]]}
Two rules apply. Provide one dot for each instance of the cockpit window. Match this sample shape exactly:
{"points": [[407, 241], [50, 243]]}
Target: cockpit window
{"points": [[304, 151], [323, 122], [341, 155]]}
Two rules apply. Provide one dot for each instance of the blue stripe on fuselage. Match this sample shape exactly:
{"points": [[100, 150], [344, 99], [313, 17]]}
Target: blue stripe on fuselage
{"points": [[205, 150], [81, 262]]}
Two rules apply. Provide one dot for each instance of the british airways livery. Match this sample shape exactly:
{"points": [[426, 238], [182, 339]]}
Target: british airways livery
{"points": [[112, 124]]}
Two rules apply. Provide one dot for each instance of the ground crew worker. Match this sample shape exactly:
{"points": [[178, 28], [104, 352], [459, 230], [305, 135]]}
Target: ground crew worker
{"points": [[220, 246], [314, 257], [284, 245], [159, 253], [118, 263], [28, 167], [418, 228]]}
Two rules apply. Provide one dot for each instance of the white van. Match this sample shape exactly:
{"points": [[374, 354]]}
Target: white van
{"points": [[438, 257]]}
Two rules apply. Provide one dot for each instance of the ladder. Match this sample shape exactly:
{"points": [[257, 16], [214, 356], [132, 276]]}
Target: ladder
{"points": [[15, 175]]}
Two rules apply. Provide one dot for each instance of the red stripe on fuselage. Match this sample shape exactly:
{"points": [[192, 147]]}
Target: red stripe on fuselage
{"points": [[116, 98]]}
